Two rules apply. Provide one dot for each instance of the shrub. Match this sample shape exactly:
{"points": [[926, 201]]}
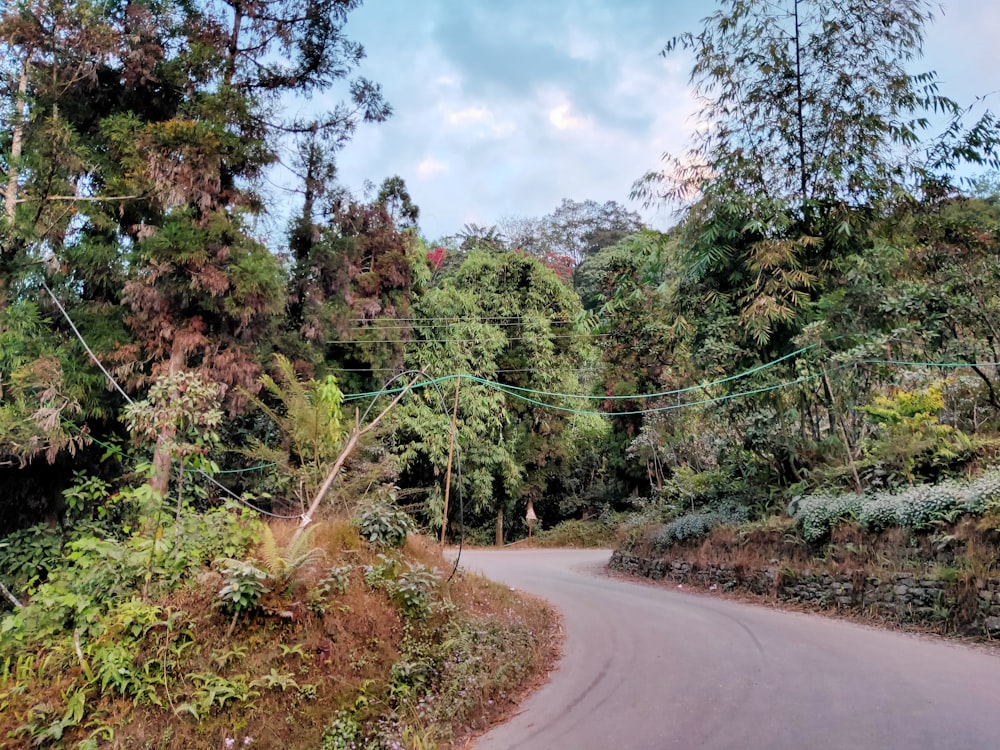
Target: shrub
{"points": [[384, 525], [576, 533], [411, 590], [917, 507], [692, 526], [820, 512], [243, 585]]}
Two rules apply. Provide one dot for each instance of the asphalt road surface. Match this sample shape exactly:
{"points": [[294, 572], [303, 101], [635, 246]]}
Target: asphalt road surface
{"points": [[650, 668]]}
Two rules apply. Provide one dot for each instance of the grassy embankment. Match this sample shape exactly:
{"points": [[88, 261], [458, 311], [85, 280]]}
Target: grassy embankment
{"points": [[329, 643]]}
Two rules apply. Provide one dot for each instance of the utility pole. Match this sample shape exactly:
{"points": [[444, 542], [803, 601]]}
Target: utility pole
{"points": [[451, 453]]}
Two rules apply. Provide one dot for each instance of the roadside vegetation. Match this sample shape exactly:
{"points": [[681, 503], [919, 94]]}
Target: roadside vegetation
{"points": [[352, 635], [216, 437]]}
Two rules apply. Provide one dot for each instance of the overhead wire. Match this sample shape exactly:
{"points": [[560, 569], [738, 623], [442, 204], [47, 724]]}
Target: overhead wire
{"points": [[675, 392], [581, 334], [131, 402], [510, 323], [86, 346], [524, 394]]}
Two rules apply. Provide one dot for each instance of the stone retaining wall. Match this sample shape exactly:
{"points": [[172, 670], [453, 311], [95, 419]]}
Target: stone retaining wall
{"points": [[969, 606]]}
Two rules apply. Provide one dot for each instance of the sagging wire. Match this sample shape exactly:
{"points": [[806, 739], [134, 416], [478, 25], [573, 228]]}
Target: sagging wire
{"points": [[131, 402], [83, 341]]}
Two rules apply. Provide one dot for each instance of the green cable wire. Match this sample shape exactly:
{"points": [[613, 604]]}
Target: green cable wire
{"points": [[390, 391], [717, 399], [671, 407], [686, 389], [521, 394], [494, 384], [955, 365]]}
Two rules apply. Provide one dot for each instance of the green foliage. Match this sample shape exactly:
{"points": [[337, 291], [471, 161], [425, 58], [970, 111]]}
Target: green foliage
{"points": [[479, 662], [910, 437], [918, 507], [96, 575], [691, 489], [182, 409], [410, 588], [413, 589], [810, 119], [335, 581], [42, 728], [382, 524], [27, 556], [690, 526], [342, 733], [514, 325], [820, 512], [283, 565], [118, 672], [598, 532], [243, 585], [275, 680], [214, 692], [308, 416]]}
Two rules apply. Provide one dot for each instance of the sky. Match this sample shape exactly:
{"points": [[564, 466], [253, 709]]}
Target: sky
{"points": [[502, 108]]}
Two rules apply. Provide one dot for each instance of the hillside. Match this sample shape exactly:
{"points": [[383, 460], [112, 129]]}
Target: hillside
{"points": [[332, 643]]}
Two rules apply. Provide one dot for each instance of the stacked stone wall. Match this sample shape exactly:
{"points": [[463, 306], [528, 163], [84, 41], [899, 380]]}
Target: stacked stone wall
{"points": [[965, 605]]}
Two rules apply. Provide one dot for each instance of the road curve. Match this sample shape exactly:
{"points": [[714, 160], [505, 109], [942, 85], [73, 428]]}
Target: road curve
{"points": [[652, 668]]}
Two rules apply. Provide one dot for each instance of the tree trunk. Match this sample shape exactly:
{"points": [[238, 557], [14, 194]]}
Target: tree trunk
{"points": [[499, 539], [160, 478], [800, 113], [451, 455], [16, 145]]}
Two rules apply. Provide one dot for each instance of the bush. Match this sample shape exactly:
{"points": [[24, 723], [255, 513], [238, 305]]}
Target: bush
{"points": [[819, 513], [916, 507], [384, 525], [576, 533], [692, 526], [243, 585]]}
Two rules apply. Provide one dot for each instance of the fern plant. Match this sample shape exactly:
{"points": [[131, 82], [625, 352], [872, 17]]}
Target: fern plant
{"points": [[308, 415], [283, 563]]}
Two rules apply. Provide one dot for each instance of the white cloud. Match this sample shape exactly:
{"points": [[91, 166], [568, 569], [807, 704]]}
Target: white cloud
{"points": [[562, 119], [583, 46], [446, 82], [431, 167], [470, 114], [482, 119]]}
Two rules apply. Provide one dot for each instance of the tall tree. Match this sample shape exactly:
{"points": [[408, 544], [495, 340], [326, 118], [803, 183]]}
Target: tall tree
{"points": [[576, 229], [813, 128], [352, 282], [142, 132], [505, 318], [811, 102]]}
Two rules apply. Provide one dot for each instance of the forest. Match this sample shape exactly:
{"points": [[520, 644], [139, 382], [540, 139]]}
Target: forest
{"points": [[821, 320]]}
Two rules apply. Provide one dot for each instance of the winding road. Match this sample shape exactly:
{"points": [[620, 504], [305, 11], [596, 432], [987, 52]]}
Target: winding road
{"points": [[650, 668]]}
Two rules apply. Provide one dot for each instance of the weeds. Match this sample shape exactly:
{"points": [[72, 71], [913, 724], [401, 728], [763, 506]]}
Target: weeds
{"points": [[164, 666]]}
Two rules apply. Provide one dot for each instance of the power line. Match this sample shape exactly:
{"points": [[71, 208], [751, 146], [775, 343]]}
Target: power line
{"points": [[522, 393], [462, 318], [661, 394], [86, 346], [467, 341], [117, 387], [590, 368], [452, 324]]}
